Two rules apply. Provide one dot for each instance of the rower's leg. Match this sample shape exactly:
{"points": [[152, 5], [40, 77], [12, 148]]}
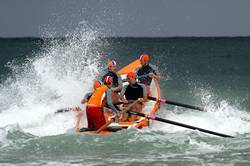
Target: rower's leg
{"points": [[136, 108], [124, 117], [78, 117], [78, 120]]}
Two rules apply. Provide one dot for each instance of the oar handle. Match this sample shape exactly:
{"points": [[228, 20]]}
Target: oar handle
{"points": [[129, 101], [176, 103], [132, 104]]}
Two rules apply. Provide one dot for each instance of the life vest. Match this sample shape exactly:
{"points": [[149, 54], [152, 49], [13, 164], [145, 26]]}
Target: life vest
{"points": [[98, 96], [133, 92], [144, 71], [114, 77]]}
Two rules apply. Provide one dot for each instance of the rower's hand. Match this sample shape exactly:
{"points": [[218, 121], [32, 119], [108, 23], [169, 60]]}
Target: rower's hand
{"points": [[125, 101], [124, 110], [151, 75], [116, 117], [141, 100], [83, 101], [113, 89]]}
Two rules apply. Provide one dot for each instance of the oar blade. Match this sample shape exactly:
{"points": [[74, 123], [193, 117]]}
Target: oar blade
{"points": [[180, 124], [192, 127], [62, 110]]}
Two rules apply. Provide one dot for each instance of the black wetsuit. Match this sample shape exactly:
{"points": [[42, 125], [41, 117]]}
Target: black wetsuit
{"points": [[133, 92], [143, 76]]}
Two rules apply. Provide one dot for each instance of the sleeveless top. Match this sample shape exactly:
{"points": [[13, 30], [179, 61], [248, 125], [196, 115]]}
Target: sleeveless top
{"points": [[98, 96]]}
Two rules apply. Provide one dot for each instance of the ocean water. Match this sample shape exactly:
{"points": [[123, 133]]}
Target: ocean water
{"points": [[41, 75]]}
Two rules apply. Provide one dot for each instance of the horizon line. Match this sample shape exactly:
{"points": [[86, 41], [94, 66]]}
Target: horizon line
{"points": [[37, 37]]}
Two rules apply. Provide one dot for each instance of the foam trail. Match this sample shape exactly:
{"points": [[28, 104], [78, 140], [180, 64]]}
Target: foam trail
{"points": [[223, 118]]}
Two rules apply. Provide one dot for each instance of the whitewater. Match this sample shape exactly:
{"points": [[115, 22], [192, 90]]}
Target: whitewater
{"points": [[63, 71]]}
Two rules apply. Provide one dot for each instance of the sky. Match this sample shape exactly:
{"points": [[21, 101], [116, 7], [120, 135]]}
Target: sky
{"points": [[125, 18]]}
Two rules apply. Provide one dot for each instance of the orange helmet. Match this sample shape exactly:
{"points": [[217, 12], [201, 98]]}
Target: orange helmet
{"points": [[97, 84], [108, 80], [111, 63], [131, 75], [144, 57]]}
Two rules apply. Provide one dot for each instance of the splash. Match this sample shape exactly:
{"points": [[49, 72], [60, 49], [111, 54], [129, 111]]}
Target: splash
{"points": [[56, 77], [220, 116]]}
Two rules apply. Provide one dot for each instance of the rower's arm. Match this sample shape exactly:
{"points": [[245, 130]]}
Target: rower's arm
{"points": [[86, 97], [122, 98], [156, 74], [110, 102], [119, 87], [145, 97]]}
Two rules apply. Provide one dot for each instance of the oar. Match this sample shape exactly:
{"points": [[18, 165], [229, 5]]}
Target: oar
{"points": [[180, 124], [109, 122], [62, 110], [141, 76], [112, 119], [133, 102], [104, 126], [176, 103], [150, 98]]}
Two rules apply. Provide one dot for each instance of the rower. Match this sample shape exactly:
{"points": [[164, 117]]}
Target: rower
{"points": [[85, 99], [96, 103], [133, 91], [147, 72], [117, 81]]}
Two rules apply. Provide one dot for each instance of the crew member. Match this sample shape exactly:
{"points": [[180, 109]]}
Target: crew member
{"points": [[146, 72], [117, 81], [131, 92], [96, 103], [85, 99]]}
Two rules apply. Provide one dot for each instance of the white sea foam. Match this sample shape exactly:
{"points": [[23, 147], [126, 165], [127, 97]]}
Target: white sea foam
{"points": [[64, 70], [219, 117], [55, 78]]}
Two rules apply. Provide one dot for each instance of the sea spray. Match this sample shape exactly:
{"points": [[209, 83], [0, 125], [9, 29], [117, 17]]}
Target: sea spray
{"points": [[215, 86], [55, 78], [218, 116]]}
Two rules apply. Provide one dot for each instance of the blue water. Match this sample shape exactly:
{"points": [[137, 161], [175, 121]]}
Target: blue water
{"points": [[39, 76]]}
